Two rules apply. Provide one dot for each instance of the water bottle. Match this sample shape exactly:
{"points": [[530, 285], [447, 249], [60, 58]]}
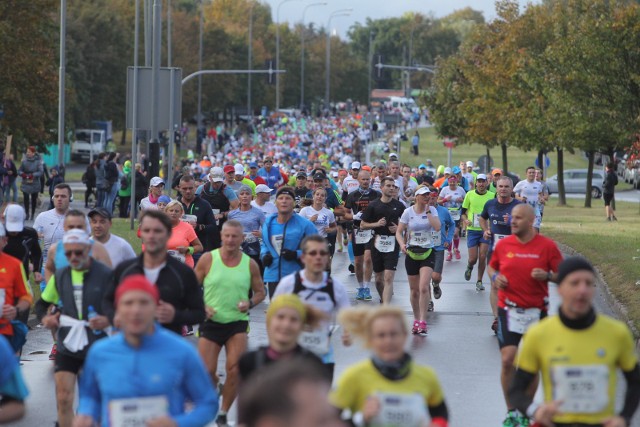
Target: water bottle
{"points": [[93, 313]]}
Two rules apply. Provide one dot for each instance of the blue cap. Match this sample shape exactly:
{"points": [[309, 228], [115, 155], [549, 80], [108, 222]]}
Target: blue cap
{"points": [[455, 170], [164, 199], [253, 165], [422, 166]]}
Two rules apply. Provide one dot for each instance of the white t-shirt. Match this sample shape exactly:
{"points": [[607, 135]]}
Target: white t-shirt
{"points": [[453, 195], [152, 273], [530, 190], [267, 209], [419, 228], [50, 225], [318, 300], [118, 249], [350, 184], [146, 204], [325, 218]]}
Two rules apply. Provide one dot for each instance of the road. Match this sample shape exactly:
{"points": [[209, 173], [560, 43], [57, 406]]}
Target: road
{"points": [[460, 346]]}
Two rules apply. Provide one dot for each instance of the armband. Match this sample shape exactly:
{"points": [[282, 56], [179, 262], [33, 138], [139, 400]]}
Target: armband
{"points": [[191, 250]]}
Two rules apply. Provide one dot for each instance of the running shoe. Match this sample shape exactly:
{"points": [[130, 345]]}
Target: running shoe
{"points": [[367, 294], [458, 254], [352, 269], [448, 256], [54, 351], [345, 241], [360, 294], [613, 218], [430, 307], [422, 329], [339, 247], [479, 286], [467, 273], [221, 421], [523, 420], [494, 326], [415, 328], [511, 420], [437, 290]]}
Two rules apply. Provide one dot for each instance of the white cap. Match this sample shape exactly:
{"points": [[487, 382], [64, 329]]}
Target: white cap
{"points": [[481, 176], [393, 155], [469, 163], [205, 158], [261, 188], [216, 174], [76, 236], [356, 165], [155, 181], [14, 218], [447, 171], [334, 174], [239, 169], [423, 190]]}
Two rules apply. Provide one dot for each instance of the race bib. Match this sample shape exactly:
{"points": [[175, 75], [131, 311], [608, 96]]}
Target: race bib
{"points": [[135, 412], [476, 220], [276, 242], [316, 341], [455, 214], [385, 244], [363, 236], [250, 238], [519, 319], [401, 410], [216, 212], [191, 219], [421, 239], [582, 389], [177, 255], [497, 238], [436, 238]]}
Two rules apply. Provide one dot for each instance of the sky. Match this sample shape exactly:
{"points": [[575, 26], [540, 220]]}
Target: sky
{"points": [[292, 10]]}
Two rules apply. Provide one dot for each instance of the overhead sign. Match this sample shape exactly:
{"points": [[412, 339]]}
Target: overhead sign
{"points": [[163, 98]]}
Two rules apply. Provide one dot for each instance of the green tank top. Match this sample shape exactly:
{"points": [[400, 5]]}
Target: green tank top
{"points": [[225, 287]]}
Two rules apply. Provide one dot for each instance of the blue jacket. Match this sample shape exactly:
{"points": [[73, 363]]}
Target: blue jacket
{"points": [[448, 227], [296, 229], [164, 365]]}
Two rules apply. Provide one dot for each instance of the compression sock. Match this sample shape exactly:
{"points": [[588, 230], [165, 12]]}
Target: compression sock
{"points": [[456, 242], [350, 249]]}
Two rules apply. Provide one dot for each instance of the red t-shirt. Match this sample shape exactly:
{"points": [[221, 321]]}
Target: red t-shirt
{"points": [[515, 261]]}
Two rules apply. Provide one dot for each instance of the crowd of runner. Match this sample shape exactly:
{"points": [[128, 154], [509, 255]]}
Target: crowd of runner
{"points": [[255, 224]]}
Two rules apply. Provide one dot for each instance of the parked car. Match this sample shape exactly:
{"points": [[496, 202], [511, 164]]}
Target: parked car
{"points": [[575, 181], [632, 173]]}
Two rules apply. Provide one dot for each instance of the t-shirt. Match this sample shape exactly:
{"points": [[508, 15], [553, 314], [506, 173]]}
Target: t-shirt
{"points": [[499, 217], [584, 360], [118, 249], [152, 274], [350, 184], [182, 235], [13, 287], [359, 200], [272, 176], [324, 219], [515, 260], [529, 190], [251, 220], [417, 224], [377, 209], [50, 226], [267, 209], [454, 200], [474, 204]]}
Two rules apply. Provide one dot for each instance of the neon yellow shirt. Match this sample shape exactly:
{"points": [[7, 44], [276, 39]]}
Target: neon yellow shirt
{"points": [[474, 203]]}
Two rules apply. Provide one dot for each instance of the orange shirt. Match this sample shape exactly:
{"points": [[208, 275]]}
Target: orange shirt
{"points": [[13, 281], [182, 235], [438, 183]]}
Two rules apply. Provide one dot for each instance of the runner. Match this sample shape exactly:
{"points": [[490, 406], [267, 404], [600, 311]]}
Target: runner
{"points": [[417, 234], [382, 216], [221, 198], [156, 187], [271, 174], [263, 202], [477, 245], [72, 298], [322, 218], [451, 197], [389, 386], [281, 237], [253, 174], [544, 197], [22, 241], [447, 230], [351, 182], [521, 266], [577, 353], [193, 205], [301, 190], [251, 219], [120, 384], [356, 204], [227, 275], [530, 191], [12, 386], [314, 287], [117, 248], [495, 221]]}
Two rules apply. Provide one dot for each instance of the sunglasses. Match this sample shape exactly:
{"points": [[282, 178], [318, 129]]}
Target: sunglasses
{"points": [[316, 253], [78, 252]]}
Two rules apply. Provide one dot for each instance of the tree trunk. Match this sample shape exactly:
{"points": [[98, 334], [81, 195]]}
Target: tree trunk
{"points": [[587, 199], [488, 162], [562, 197], [540, 162], [505, 163]]}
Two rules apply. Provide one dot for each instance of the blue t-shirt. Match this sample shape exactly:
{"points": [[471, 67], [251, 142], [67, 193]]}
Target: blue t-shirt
{"points": [[251, 220], [499, 217], [11, 381], [272, 177], [447, 227]]}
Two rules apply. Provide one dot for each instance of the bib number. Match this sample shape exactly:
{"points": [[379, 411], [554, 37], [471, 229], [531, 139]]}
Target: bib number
{"points": [[177, 255], [421, 239], [216, 212], [400, 410], [476, 221], [582, 389], [135, 412], [385, 244], [276, 242], [455, 214], [250, 238], [497, 238], [316, 341], [362, 236], [519, 319]]}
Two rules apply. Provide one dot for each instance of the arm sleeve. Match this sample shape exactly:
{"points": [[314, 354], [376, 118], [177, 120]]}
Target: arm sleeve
{"points": [[439, 411], [231, 195], [200, 391], [518, 390], [404, 218], [632, 395], [451, 227]]}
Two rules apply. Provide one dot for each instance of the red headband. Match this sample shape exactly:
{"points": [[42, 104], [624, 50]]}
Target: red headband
{"points": [[137, 282]]}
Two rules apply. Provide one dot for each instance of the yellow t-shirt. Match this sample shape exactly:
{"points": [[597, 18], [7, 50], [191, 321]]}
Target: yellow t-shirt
{"points": [[578, 366], [363, 380], [474, 204]]}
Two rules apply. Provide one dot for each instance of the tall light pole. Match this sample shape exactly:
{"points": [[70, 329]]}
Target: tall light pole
{"points": [[369, 67], [278, 51], [199, 118], [413, 28], [61, 77], [169, 47], [324, 3], [340, 12], [250, 61]]}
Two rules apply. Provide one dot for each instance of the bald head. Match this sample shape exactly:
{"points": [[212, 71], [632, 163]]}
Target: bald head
{"points": [[522, 219], [364, 179]]}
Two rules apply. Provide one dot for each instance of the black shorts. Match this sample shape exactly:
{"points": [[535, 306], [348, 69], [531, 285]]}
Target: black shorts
{"points": [[438, 264], [413, 267], [607, 198], [220, 333], [384, 260], [66, 363], [506, 337], [358, 250]]}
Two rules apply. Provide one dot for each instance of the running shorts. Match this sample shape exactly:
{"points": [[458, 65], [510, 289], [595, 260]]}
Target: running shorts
{"points": [[220, 333]]}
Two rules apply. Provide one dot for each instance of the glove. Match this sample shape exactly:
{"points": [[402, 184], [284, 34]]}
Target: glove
{"points": [[358, 216], [289, 255], [267, 260]]}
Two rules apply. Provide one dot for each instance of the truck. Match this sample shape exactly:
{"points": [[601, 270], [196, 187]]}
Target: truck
{"points": [[89, 143]]}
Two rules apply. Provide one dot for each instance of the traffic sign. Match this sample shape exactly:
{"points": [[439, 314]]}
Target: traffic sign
{"points": [[547, 162]]}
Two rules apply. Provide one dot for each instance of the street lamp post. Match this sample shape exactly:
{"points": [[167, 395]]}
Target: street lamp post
{"points": [[61, 77], [199, 118], [250, 61], [340, 12], [413, 28], [302, 52], [369, 67], [278, 51]]}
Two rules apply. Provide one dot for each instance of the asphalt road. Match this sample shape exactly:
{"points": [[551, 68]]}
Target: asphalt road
{"points": [[460, 346]]}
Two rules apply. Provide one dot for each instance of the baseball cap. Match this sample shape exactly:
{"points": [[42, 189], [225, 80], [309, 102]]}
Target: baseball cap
{"points": [[164, 199], [366, 168], [155, 181], [239, 169], [262, 188], [481, 176], [496, 170], [76, 236], [253, 165], [216, 174], [228, 169], [469, 163], [393, 155], [301, 175], [319, 175], [455, 169], [423, 190], [205, 157], [422, 166], [14, 218], [334, 174], [447, 171], [356, 165], [99, 211]]}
